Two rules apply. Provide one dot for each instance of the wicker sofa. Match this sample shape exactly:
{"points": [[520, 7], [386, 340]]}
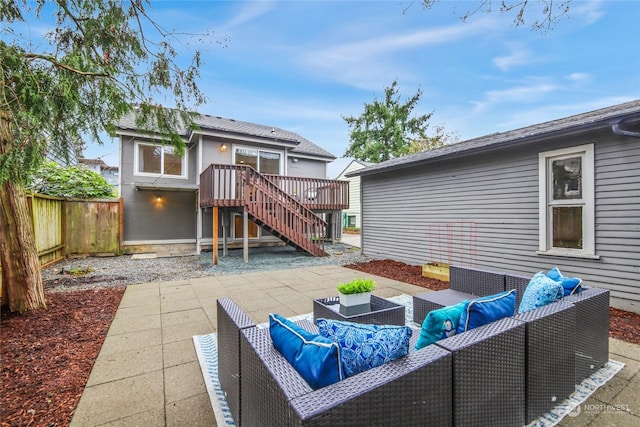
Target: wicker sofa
{"points": [[566, 341], [506, 373], [263, 389]]}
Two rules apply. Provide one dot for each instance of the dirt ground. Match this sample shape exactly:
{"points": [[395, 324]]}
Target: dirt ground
{"points": [[47, 355]]}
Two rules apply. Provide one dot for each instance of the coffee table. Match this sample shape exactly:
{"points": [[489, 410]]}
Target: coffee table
{"points": [[380, 312]]}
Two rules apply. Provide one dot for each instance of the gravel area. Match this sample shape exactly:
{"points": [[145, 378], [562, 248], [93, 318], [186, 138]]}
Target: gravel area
{"points": [[90, 272]]}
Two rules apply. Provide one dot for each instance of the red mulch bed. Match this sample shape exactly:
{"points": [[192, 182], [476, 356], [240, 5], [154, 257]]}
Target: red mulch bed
{"points": [[47, 355], [623, 325]]}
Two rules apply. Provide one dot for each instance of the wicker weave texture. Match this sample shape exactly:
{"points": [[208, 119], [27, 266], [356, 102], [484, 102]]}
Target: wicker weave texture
{"points": [[429, 301], [550, 350], [413, 390], [475, 281], [489, 374], [231, 319], [592, 330], [519, 283], [383, 312]]}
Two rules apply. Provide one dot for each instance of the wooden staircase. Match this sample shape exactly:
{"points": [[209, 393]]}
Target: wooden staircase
{"points": [[267, 205]]}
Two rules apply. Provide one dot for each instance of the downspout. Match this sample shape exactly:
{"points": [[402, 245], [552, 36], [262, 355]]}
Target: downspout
{"points": [[616, 129]]}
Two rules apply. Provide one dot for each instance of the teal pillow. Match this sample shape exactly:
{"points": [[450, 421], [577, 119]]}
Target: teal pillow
{"points": [[540, 291], [570, 285], [484, 310], [363, 347], [439, 324], [317, 359]]}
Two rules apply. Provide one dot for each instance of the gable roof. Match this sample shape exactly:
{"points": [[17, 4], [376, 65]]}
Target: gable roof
{"points": [[219, 124], [602, 118], [359, 162]]}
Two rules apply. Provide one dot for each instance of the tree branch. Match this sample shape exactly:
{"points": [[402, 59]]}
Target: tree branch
{"points": [[56, 63]]}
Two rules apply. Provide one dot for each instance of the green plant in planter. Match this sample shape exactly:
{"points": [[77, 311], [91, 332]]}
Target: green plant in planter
{"points": [[356, 286]]}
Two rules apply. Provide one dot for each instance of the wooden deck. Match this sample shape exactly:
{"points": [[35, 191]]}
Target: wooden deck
{"points": [[286, 206]]}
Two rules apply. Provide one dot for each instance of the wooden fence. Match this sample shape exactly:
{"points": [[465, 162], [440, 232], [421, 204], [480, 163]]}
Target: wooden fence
{"points": [[75, 227]]}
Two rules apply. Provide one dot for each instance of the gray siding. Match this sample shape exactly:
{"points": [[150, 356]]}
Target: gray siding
{"points": [[484, 211], [307, 168], [354, 192], [144, 218]]}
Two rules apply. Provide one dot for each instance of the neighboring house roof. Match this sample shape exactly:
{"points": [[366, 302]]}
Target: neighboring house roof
{"points": [[98, 162], [216, 123], [362, 164], [606, 117]]}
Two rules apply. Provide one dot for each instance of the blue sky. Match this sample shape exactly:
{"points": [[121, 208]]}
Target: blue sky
{"points": [[301, 66]]}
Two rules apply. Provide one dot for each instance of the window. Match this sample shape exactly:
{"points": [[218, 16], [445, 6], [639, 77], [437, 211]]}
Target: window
{"points": [[567, 202], [153, 159], [267, 162]]}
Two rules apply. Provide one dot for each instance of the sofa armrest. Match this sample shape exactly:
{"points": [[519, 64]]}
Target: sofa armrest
{"points": [[550, 342], [475, 281], [489, 374], [592, 330], [414, 387], [230, 320]]}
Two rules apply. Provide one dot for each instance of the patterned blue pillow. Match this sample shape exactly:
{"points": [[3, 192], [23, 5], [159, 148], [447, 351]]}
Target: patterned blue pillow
{"points": [[540, 291], [317, 359], [363, 347], [571, 285], [439, 324], [484, 310]]}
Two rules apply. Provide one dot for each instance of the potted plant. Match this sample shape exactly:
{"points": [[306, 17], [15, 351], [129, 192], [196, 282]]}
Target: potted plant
{"points": [[356, 292]]}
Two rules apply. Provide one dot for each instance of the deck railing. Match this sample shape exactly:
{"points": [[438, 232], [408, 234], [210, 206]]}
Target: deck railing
{"points": [[220, 186], [321, 194], [268, 204]]}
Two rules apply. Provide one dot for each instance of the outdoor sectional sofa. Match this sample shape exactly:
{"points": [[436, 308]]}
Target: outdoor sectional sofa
{"points": [[508, 372]]}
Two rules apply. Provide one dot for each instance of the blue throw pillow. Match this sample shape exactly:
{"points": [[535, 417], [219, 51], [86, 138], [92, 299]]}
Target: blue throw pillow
{"points": [[317, 359], [540, 291], [484, 310], [364, 347], [439, 324], [571, 285]]}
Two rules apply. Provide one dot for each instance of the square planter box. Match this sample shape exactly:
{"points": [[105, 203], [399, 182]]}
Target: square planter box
{"points": [[436, 270], [355, 303]]}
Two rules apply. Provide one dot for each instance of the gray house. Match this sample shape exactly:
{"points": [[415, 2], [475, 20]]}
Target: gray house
{"points": [[352, 215], [239, 183], [564, 193]]}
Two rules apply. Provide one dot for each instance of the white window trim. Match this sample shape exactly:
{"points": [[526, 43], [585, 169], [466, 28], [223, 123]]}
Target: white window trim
{"points": [[588, 192], [137, 172]]}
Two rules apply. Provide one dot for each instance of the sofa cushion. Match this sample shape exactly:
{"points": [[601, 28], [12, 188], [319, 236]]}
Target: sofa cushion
{"points": [[364, 347], [484, 310], [540, 291], [439, 324], [570, 285], [316, 358]]}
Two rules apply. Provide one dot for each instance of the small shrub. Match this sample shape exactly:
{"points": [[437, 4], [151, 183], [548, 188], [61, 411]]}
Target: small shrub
{"points": [[356, 286]]}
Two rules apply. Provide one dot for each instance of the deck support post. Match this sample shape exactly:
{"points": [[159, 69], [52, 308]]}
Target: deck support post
{"points": [[225, 232], [245, 235], [215, 235]]}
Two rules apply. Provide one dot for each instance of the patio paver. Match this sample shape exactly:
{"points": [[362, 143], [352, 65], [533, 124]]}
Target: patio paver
{"points": [[147, 371]]}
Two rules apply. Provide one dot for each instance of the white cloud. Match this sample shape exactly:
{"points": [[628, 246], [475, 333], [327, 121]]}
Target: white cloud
{"points": [[518, 57], [590, 11], [249, 12], [579, 79], [519, 94], [366, 61]]}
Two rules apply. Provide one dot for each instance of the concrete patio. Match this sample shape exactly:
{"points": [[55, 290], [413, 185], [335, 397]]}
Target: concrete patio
{"points": [[147, 373]]}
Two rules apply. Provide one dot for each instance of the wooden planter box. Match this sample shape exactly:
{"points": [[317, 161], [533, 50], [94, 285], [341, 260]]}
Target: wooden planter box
{"points": [[436, 270]]}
